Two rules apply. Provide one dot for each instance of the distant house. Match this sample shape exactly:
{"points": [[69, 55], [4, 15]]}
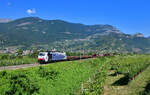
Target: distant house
{"points": [[26, 52], [8, 50]]}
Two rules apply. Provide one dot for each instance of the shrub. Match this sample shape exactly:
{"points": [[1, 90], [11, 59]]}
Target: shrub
{"points": [[12, 57], [5, 56], [3, 73], [47, 73], [20, 84]]}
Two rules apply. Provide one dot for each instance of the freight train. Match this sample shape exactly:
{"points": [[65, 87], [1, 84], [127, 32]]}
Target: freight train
{"points": [[45, 57]]}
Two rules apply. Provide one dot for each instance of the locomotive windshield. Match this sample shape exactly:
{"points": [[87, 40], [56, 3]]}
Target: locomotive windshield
{"points": [[41, 54]]}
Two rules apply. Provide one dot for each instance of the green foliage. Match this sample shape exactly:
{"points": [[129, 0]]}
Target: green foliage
{"points": [[34, 54], [13, 56], [130, 65], [147, 89], [7, 56], [19, 52], [3, 73], [20, 84], [47, 73], [85, 77], [63, 78], [8, 59], [95, 84]]}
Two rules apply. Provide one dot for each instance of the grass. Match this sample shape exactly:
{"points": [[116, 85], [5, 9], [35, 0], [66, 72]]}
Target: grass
{"points": [[135, 87], [139, 83], [8, 60], [110, 89], [63, 78], [95, 84], [130, 66]]}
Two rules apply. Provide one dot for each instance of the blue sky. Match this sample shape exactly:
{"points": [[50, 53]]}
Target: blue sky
{"points": [[130, 16]]}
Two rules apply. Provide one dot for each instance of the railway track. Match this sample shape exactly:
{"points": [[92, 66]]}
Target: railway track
{"points": [[19, 66]]}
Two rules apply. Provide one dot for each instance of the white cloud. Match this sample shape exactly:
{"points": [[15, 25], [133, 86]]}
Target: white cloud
{"points": [[31, 11]]}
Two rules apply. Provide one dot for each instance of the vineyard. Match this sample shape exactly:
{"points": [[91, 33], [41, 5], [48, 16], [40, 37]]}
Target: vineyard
{"points": [[128, 75], [62, 77], [107, 75], [130, 66]]}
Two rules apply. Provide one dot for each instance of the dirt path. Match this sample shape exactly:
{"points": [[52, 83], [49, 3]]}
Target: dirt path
{"points": [[19, 66], [109, 89], [133, 88]]}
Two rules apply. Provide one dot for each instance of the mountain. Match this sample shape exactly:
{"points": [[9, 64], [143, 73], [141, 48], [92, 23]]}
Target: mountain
{"points": [[108, 43], [139, 35], [35, 32]]}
